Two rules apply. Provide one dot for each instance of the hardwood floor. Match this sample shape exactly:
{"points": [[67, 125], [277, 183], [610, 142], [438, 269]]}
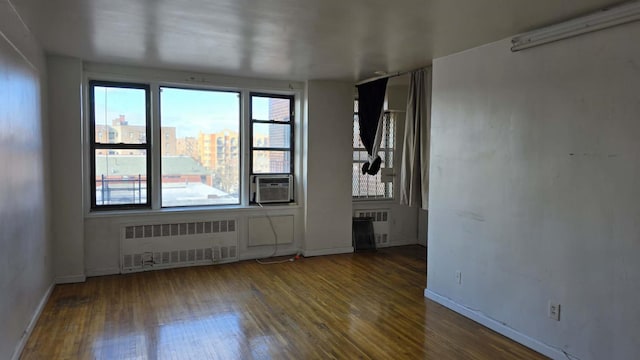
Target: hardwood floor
{"points": [[365, 305]]}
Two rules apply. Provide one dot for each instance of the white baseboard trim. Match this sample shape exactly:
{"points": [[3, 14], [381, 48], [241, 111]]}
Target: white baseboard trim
{"points": [[257, 256], [403, 242], [332, 251], [70, 279], [496, 326], [103, 272], [32, 323]]}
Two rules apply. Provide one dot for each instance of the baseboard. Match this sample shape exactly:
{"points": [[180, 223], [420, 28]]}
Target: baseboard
{"points": [[403, 242], [496, 326], [332, 251], [253, 256], [103, 272], [70, 279], [32, 323]]}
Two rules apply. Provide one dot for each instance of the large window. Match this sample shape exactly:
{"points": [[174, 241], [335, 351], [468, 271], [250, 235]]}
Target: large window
{"points": [[200, 136], [271, 134], [378, 186], [120, 148], [169, 146]]}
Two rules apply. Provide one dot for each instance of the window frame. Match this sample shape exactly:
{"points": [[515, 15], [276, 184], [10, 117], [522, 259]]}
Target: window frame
{"points": [[388, 151], [291, 123], [101, 74], [93, 146], [159, 87]]}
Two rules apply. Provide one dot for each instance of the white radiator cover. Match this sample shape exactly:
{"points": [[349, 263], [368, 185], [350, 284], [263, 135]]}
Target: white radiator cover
{"points": [[160, 246], [261, 233], [381, 224]]}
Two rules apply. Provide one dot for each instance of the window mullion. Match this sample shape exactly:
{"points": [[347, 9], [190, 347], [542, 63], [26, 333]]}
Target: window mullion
{"points": [[121, 146], [255, 121], [156, 146], [286, 149], [245, 145]]}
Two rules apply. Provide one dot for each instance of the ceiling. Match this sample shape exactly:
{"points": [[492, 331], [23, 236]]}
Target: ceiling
{"points": [[284, 39]]}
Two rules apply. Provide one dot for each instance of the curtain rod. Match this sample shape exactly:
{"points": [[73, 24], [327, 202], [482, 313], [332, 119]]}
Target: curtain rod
{"points": [[397, 73]]}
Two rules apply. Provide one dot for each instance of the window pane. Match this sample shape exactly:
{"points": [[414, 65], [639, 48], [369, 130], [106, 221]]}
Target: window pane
{"points": [[272, 135], [120, 115], [357, 142], [121, 176], [269, 161], [389, 132], [367, 186], [360, 156], [200, 144], [269, 108], [363, 156]]}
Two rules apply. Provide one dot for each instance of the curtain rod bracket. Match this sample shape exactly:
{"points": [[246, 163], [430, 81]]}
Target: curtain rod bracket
{"points": [[391, 75]]}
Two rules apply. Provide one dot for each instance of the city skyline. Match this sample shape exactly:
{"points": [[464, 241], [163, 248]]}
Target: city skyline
{"points": [[189, 110]]}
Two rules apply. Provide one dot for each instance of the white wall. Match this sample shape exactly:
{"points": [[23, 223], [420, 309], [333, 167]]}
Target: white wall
{"points": [[25, 247], [101, 230], [322, 215], [423, 226], [65, 101], [535, 175], [92, 246], [328, 139]]}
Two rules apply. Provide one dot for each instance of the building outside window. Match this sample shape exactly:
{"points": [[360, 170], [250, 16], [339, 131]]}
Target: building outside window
{"points": [[206, 175]]}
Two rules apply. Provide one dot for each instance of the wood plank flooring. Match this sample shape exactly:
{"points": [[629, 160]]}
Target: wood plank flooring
{"points": [[353, 306]]}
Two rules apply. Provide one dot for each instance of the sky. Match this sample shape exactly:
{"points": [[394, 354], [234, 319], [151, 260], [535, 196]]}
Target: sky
{"points": [[189, 111]]}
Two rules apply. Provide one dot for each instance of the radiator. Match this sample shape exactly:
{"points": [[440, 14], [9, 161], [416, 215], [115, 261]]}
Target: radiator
{"points": [[160, 246], [381, 219]]}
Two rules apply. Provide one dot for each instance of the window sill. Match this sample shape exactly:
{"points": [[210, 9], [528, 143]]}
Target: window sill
{"points": [[191, 210]]}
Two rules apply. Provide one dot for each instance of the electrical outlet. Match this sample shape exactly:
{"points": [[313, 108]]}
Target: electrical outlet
{"points": [[554, 311], [459, 277]]}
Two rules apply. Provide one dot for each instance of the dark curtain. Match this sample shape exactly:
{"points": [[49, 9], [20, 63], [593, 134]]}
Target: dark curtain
{"points": [[370, 111]]}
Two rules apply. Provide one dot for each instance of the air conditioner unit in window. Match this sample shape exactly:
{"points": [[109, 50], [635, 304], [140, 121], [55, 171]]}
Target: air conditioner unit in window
{"points": [[273, 188]]}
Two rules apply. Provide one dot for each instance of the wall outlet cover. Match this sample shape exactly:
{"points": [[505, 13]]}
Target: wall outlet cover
{"points": [[554, 311]]}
